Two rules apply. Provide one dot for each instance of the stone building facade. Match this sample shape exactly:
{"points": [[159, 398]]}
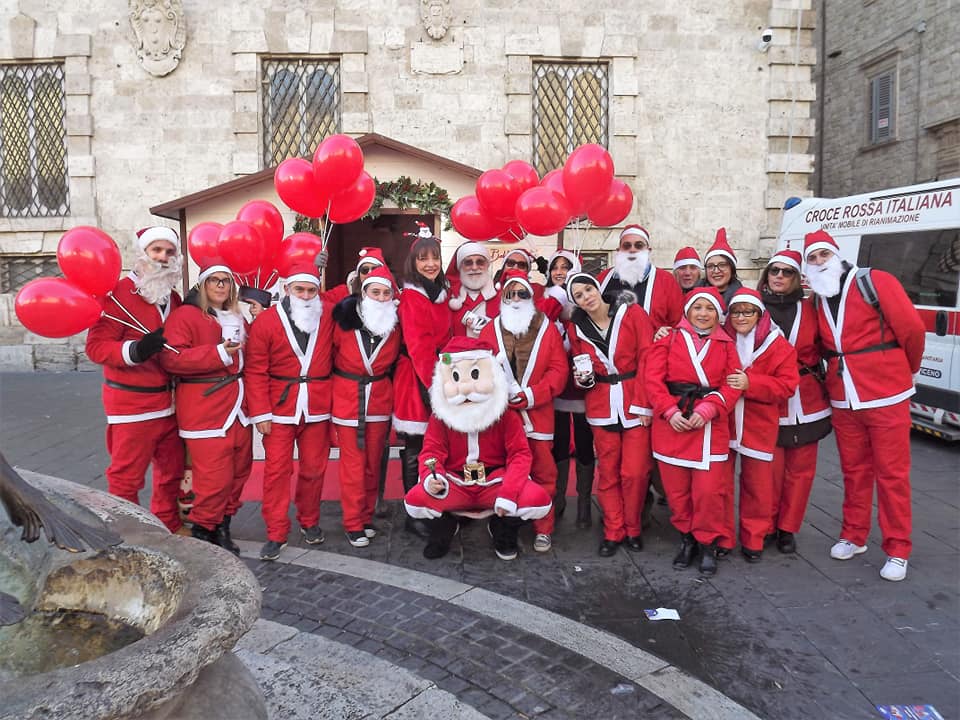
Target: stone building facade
{"points": [[889, 79], [708, 127]]}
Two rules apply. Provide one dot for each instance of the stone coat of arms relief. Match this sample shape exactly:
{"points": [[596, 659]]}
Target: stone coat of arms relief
{"points": [[161, 33], [436, 16]]}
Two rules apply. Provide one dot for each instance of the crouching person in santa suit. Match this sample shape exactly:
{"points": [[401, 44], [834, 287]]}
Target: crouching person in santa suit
{"points": [[475, 456], [208, 333], [289, 359], [137, 391]]}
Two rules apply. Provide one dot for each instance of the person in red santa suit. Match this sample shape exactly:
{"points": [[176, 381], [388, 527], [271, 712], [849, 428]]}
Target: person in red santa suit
{"points": [[366, 343], [425, 321], [289, 359], [609, 344], [872, 354], [767, 376], [721, 266], [633, 270], [473, 296], [805, 418], [531, 352], [209, 333], [688, 269], [137, 391], [475, 458], [686, 383]]}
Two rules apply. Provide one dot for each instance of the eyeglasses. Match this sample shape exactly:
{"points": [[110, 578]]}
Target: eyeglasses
{"points": [[519, 264], [628, 246], [474, 262], [717, 267], [219, 282], [786, 272], [517, 295], [743, 313]]}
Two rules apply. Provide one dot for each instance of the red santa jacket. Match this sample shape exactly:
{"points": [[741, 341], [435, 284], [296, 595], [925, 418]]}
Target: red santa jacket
{"points": [[810, 401], [662, 299], [198, 337], [543, 379], [273, 359], [630, 335], [773, 377], [858, 326], [336, 293], [675, 359], [485, 304], [108, 344], [425, 327], [502, 448], [351, 361]]}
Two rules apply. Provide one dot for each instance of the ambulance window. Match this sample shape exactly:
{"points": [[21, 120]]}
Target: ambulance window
{"points": [[926, 263]]}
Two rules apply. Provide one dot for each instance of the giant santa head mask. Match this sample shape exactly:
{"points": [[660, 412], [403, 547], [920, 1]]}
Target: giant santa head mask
{"points": [[469, 389]]}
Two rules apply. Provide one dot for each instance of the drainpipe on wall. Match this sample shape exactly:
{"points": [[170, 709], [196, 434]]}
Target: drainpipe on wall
{"points": [[821, 100]]}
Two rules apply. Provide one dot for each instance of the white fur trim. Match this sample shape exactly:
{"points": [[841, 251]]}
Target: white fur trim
{"points": [[125, 352], [636, 231], [155, 233], [749, 299], [687, 261], [224, 356], [421, 512], [704, 295], [455, 303], [820, 246], [784, 260], [507, 505], [303, 277], [468, 355], [728, 255], [214, 269], [471, 248]]}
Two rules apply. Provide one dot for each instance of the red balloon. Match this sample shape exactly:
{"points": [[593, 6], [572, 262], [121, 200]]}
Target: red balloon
{"points": [[56, 307], [512, 234], [337, 164], [90, 258], [472, 222], [541, 211], [298, 188], [523, 172], [202, 242], [615, 207], [353, 203], [554, 181], [301, 247], [241, 247], [268, 221], [497, 193], [587, 175]]}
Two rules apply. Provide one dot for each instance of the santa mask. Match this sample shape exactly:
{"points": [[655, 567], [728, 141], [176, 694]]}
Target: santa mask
{"points": [[632, 267], [379, 316], [305, 314], [468, 395], [824, 279]]}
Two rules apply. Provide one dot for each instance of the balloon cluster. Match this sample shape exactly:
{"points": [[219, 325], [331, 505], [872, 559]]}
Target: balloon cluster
{"points": [[513, 201]]}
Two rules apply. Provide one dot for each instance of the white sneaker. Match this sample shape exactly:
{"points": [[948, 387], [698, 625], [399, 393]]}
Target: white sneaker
{"points": [[542, 542], [844, 550], [894, 569]]}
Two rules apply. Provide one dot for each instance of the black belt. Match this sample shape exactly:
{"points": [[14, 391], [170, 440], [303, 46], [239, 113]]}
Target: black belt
{"points": [[615, 378], [816, 370], [889, 345], [687, 395], [139, 388], [362, 382], [295, 380], [217, 382]]}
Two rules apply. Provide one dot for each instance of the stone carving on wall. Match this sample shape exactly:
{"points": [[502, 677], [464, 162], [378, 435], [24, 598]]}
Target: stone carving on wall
{"points": [[436, 16], [161, 32]]}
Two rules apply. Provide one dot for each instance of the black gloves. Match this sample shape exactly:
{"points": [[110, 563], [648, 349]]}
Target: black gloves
{"points": [[147, 346]]}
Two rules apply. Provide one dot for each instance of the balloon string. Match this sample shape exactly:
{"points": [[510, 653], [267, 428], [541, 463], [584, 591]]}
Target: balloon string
{"points": [[327, 228], [271, 278], [134, 327], [140, 326]]}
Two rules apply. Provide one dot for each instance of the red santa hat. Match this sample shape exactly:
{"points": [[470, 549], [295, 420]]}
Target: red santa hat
{"points": [[370, 256], [721, 247], [787, 257], [148, 235], [526, 254], [514, 275], [303, 272], [687, 256], [379, 276], [465, 348], [748, 295], [710, 294], [214, 265], [819, 240], [638, 230]]}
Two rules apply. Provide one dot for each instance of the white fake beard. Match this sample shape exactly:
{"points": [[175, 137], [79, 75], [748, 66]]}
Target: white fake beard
{"points": [[473, 413], [379, 317], [155, 281], [824, 279], [305, 314], [475, 283], [632, 267], [517, 316]]}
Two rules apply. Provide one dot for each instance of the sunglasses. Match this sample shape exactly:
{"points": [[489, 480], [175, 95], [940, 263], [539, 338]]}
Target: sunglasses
{"points": [[364, 269], [717, 267], [743, 313], [786, 272], [517, 295], [627, 246], [219, 282], [520, 264], [474, 262]]}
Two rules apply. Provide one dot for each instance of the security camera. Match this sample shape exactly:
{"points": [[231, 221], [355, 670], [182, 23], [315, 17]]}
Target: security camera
{"points": [[766, 37]]}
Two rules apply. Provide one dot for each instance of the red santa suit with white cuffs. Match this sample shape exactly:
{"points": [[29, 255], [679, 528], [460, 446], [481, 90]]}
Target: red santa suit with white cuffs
{"points": [[210, 400], [482, 304], [536, 380], [692, 463], [288, 379], [871, 408], [362, 402], [138, 396]]}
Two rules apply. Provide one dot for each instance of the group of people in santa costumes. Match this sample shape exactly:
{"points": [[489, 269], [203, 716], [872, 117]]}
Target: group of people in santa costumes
{"points": [[486, 382]]}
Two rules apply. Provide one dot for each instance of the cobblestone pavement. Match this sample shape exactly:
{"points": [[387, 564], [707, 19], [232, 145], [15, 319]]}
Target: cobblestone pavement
{"points": [[792, 637]]}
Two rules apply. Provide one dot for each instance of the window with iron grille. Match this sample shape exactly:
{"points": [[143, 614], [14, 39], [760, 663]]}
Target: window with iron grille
{"points": [[882, 106], [301, 106], [594, 261], [570, 108], [17, 270], [33, 141]]}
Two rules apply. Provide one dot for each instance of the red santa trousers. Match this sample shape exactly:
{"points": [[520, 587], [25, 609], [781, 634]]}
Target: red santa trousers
{"points": [[313, 446], [698, 499], [624, 463], [221, 467], [793, 473], [132, 446], [360, 472], [756, 497], [543, 471], [532, 502], [874, 447]]}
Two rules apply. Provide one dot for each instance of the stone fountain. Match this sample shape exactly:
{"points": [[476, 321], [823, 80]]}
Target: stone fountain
{"points": [[140, 629]]}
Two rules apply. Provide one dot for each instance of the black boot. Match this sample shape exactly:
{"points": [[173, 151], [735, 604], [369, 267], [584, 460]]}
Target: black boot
{"points": [[442, 531], [201, 533], [560, 496], [223, 536], [688, 550], [584, 491], [504, 531], [410, 470], [708, 558]]}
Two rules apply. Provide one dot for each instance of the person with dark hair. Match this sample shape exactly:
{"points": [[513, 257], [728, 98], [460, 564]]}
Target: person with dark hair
{"points": [[721, 266]]}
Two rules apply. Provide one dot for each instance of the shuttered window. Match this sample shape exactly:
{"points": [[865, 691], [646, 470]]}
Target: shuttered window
{"points": [[882, 105]]}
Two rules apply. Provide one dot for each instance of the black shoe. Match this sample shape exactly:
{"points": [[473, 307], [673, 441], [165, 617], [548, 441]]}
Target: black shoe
{"points": [[751, 556], [722, 552], [786, 542], [358, 538], [201, 533], [769, 540], [420, 528], [271, 550], [442, 531], [312, 535], [584, 504], [504, 534], [608, 548], [633, 543], [708, 559], [223, 536], [688, 550]]}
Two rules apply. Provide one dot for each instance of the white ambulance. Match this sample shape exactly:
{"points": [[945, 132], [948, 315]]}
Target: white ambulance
{"points": [[914, 233]]}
